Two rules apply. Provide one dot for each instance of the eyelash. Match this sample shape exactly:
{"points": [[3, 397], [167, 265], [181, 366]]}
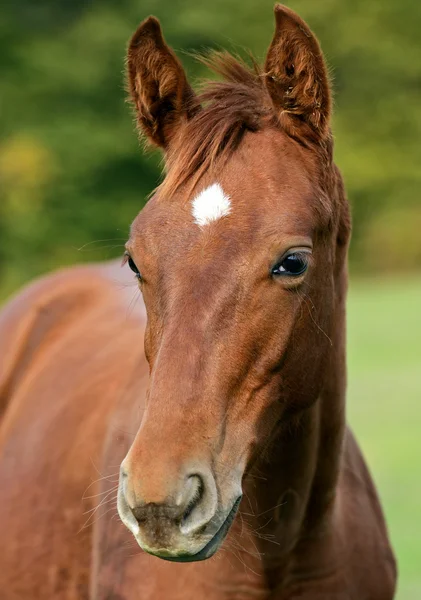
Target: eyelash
{"points": [[127, 259]]}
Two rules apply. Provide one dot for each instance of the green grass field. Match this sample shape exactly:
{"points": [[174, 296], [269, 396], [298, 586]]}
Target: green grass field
{"points": [[384, 408]]}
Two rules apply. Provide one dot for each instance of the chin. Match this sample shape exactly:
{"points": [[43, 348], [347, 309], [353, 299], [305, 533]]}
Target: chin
{"points": [[194, 555]]}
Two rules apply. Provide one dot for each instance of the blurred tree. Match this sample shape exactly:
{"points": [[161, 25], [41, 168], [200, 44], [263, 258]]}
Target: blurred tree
{"points": [[72, 172]]}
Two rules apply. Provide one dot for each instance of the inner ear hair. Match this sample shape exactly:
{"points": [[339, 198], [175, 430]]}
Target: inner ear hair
{"points": [[296, 78], [158, 85]]}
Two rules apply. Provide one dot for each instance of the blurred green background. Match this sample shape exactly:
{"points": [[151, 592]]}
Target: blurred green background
{"points": [[72, 177]]}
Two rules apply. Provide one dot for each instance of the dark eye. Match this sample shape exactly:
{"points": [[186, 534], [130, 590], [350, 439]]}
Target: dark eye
{"points": [[133, 267], [292, 265]]}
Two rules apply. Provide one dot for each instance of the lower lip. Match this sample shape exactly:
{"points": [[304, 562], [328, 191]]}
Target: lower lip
{"points": [[211, 547]]}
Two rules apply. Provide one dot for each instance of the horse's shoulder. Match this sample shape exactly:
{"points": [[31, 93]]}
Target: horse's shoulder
{"points": [[362, 518], [52, 305]]}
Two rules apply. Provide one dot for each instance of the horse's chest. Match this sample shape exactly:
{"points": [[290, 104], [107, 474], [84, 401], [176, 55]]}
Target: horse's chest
{"points": [[148, 578]]}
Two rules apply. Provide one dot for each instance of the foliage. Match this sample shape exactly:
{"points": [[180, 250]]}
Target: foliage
{"points": [[71, 168]]}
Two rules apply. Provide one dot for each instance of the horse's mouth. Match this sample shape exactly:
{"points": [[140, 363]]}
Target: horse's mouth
{"points": [[212, 546]]}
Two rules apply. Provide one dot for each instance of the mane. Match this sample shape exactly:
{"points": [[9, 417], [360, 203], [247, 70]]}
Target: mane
{"points": [[230, 107]]}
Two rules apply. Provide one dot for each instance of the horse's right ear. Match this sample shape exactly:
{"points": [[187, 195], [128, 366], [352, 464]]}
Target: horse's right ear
{"points": [[157, 84]]}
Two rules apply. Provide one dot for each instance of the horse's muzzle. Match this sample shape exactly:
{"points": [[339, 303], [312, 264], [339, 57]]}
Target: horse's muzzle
{"points": [[186, 526]]}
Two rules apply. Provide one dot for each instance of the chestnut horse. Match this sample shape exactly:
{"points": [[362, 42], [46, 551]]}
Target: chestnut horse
{"points": [[230, 427]]}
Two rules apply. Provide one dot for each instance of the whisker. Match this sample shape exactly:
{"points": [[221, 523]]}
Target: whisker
{"points": [[114, 489], [101, 241], [90, 522]]}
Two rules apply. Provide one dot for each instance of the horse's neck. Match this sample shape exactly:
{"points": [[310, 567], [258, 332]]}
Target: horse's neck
{"points": [[290, 493]]}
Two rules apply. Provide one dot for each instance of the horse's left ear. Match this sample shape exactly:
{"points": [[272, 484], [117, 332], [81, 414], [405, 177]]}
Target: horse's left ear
{"points": [[297, 79], [158, 85]]}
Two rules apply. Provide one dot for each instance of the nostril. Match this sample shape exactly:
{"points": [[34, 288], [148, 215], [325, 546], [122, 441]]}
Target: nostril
{"points": [[201, 502], [124, 471], [193, 496]]}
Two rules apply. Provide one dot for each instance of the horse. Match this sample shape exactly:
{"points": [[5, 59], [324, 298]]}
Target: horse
{"points": [[211, 412]]}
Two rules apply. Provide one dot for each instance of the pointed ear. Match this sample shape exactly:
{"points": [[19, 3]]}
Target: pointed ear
{"points": [[297, 79], [157, 84]]}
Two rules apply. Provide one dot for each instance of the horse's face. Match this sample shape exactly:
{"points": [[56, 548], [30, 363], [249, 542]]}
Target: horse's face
{"points": [[237, 279]]}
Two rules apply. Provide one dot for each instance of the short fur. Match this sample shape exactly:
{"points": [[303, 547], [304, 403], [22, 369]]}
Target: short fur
{"points": [[237, 406]]}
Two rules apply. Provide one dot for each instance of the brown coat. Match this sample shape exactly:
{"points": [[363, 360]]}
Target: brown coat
{"points": [[231, 430]]}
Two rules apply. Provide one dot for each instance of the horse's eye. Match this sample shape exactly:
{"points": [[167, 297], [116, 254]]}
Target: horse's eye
{"points": [[292, 265], [133, 267]]}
